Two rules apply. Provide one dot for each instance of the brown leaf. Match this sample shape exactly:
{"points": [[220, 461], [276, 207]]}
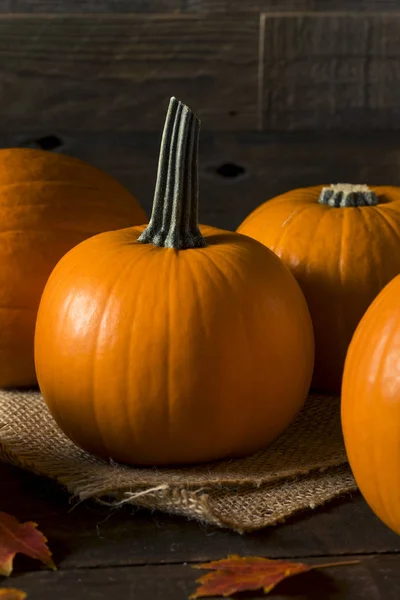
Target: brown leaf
{"points": [[242, 574], [21, 538], [11, 594]]}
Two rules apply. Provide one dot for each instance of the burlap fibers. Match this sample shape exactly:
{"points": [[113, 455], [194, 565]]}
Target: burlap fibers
{"points": [[306, 467]]}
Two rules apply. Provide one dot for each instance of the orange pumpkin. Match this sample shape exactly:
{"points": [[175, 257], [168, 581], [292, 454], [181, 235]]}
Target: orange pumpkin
{"points": [[173, 343], [342, 243], [48, 204], [371, 405]]}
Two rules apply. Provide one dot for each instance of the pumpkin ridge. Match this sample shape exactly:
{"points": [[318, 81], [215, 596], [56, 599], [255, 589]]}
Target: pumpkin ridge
{"points": [[376, 461], [345, 223], [375, 446], [390, 208], [308, 261], [130, 418], [195, 282], [63, 318], [383, 215], [170, 358], [377, 270], [290, 220], [93, 387]]}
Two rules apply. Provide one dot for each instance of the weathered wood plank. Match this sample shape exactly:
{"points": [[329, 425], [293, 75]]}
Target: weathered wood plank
{"points": [[259, 165], [118, 72], [375, 578], [88, 535], [290, 5], [331, 72], [89, 6], [162, 6]]}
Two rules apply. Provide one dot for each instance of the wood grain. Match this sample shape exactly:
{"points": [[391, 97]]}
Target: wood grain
{"points": [[118, 72], [88, 535], [89, 6], [375, 578], [325, 72], [272, 163], [162, 6], [290, 5]]}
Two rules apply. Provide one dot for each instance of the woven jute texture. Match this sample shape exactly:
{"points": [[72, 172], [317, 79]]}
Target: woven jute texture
{"points": [[305, 468]]}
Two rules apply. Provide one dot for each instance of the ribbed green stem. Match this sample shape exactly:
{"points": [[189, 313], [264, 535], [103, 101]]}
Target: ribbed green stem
{"points": [[174, 218], [342, 195]]}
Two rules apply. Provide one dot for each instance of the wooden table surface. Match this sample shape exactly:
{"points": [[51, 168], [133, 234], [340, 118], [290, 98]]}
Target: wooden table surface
{"points": [[135, 554]]}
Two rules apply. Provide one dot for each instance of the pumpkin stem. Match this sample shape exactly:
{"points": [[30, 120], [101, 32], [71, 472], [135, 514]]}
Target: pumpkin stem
{"points": [[174, 218], [342, 195]]}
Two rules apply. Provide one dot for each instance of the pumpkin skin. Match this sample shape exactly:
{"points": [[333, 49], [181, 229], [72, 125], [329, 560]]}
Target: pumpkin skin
{"points": [[48, 204], [341, 256], [157, 355], [371, 405]]}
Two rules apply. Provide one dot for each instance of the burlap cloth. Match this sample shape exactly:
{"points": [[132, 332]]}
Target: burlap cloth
{"points": [[305, 468]]}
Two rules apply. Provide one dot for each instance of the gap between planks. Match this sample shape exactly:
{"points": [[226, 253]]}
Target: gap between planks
{"points": [[317, 558]]}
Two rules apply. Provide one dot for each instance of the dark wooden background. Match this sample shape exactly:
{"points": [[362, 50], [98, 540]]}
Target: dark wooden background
{"points": [[290, 92]]}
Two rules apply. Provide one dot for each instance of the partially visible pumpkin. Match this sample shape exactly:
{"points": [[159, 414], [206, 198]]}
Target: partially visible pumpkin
{"points": [[342, 243], [48, 204], [371, 405], [173, 343]]}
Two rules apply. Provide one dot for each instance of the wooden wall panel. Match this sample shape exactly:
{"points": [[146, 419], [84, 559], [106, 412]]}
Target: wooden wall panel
{"points": [[166, 6], [331, 72], [118, 72], [238, 171], [89, 6], [283, 6]]}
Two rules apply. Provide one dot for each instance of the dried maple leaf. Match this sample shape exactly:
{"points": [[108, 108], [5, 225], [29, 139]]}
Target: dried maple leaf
{"points": [[243, 574], [11, 594], [21, 538]]}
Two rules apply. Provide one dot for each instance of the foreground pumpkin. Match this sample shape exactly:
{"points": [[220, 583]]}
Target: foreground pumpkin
{"points": [[48, 204], [342, 243], [173, 344], [371, 405]]}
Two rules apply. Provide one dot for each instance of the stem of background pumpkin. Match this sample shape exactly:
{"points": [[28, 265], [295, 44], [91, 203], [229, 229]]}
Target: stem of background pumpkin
{"points": [[174, 218], [343, 195]]}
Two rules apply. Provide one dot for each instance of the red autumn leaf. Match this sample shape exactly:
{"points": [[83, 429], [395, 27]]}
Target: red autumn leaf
{"points": [[11, 594], [21, 538], [243, 574]]}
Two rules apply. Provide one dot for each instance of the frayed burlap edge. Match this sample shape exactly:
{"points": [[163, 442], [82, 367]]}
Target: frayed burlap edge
{"points": [[304, 469], [248, 508]]}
